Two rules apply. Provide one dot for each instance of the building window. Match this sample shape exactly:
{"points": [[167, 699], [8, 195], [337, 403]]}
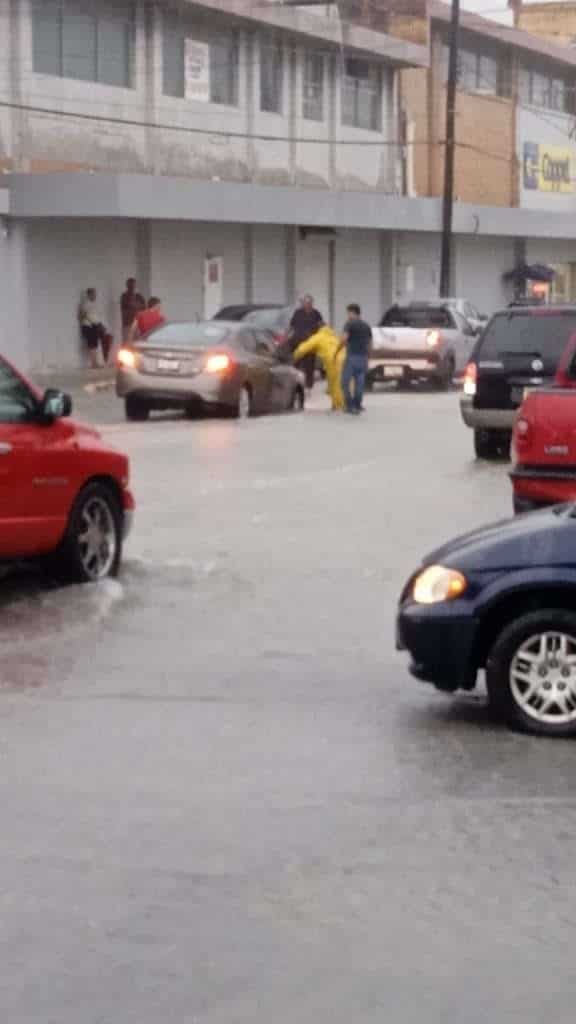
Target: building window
{"points": [[362, 95], [271, 77], [313, 99], [199, 68], [538, 89], [90, 40], [478, 71]]}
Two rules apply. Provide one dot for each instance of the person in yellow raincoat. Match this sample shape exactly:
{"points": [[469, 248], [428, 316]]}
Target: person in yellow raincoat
{"points": [[324, 344]]}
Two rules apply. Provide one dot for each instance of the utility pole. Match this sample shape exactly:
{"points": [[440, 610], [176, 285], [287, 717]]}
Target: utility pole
{"points": [[449, 153]]}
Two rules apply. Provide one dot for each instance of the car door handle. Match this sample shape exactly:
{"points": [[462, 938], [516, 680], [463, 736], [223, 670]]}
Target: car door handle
{"points": [[5, 448]]}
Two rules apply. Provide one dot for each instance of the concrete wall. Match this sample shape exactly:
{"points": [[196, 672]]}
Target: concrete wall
{"points": [[479, 266], [64, 258], [180, 137], [485, 130]]}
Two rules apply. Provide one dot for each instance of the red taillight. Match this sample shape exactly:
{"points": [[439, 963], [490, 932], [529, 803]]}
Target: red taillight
{"points": [[218, 363], [522, 431], [470, 378], [433, 339]]}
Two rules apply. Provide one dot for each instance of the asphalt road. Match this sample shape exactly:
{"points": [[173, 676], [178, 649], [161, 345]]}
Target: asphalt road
{"points": [[224, 799]]}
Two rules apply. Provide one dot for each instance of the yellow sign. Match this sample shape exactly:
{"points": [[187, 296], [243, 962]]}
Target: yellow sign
{"points": [[548, 168]]}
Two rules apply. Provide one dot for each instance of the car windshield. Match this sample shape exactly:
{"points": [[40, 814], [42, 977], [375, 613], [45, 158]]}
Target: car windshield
{"points": [[419, 318], [195, 335], [517, 333]]}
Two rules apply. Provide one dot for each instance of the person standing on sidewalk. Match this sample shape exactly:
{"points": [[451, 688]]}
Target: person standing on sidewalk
{"points": [[357, 340], [305, 322], [92, 327], [148, 319], [131, 303]]}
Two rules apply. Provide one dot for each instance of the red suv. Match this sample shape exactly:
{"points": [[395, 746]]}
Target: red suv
{"points": [[63, 492], [545, 441]]}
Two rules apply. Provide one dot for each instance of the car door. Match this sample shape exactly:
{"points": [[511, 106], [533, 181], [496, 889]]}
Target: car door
{"points": [[280, 373], [35, 489], [258, 369]]}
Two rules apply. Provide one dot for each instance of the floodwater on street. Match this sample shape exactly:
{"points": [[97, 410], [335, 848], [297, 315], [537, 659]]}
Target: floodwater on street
{"points": [[225, 799]]}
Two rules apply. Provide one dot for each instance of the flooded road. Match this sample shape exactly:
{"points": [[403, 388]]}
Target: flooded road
{"points": [[225, 800]]}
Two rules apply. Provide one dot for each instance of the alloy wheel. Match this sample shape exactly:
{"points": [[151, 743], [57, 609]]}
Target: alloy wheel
{"points": [[543, 678], [97, 540]]}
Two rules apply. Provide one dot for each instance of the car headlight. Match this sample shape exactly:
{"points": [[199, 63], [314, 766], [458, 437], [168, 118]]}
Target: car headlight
{"points": [[435, 584]]}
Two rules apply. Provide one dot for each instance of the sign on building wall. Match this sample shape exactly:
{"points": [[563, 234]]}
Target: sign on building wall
{"points": [[548, 168], [197, 71]]}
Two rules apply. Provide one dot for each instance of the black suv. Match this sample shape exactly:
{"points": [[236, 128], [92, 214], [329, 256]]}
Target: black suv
{"points": [[519, 349]]}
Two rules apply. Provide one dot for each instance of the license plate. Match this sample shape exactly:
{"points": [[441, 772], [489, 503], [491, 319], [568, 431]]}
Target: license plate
{"points": [[393, 371], [168, 365]]}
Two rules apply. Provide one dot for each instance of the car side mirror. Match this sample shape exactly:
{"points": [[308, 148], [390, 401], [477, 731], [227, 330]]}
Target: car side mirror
{"points": [[56, 405]]}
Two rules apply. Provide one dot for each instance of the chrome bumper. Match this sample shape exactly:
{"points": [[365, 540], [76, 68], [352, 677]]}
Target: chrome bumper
{"points": [[486, 419]]}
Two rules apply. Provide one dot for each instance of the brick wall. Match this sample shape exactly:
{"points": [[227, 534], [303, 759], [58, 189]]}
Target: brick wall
{"points": [[485, 170]]}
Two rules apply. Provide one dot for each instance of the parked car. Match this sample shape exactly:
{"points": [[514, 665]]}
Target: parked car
{"points": [[520, 348], [468, 312], [420, 341], [502, 599], [273, 317], [218, 364], [64, 492], [545, 441]]}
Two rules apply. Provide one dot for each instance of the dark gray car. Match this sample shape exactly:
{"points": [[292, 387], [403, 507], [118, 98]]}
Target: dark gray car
{"points": [[227, 366]]}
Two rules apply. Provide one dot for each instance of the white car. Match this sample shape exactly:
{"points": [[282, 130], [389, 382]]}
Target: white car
{"points": [[421, 341]]}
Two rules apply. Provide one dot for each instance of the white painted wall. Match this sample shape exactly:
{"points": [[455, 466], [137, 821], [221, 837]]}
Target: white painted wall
{"points": [[479, 265], [357, 274], [63, 258], [269, 257], [550, 250], [417, 267], [177, 254]]}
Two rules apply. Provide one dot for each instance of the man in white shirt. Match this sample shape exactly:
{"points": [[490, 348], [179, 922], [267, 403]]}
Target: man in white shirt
{"points": [[92, 326]]}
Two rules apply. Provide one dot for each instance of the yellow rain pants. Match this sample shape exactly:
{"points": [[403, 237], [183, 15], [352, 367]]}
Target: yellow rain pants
{"points": [[324, 344]]}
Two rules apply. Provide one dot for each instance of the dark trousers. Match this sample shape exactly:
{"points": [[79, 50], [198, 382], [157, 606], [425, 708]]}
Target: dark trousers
{"points": [[308, 366], [354, 370]]}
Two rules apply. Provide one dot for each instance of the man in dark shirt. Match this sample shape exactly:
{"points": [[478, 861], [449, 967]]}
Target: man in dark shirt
{"points": [[131, 304], [304, 323], [357, 339]]}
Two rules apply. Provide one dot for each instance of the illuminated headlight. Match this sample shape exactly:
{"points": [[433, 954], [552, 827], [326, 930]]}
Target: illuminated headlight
{"points": [[436, 584]]}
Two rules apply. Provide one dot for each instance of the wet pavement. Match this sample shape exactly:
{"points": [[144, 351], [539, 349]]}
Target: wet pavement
{"points": [[223, 797]]}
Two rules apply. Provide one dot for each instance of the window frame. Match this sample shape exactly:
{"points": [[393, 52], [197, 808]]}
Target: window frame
{"points": [[352, 83], [309, 60], [62, 15], [528, 78], [175, 32], [271, 46]]}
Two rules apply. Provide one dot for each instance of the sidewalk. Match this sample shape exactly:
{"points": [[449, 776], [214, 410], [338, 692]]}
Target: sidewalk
{"points": [[76, 381]]}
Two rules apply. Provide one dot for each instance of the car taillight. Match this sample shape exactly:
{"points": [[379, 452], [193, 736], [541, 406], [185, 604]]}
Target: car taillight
{"points": [[126, 357], [433, 339], [470, 378], [218, 363], [522, 432]]}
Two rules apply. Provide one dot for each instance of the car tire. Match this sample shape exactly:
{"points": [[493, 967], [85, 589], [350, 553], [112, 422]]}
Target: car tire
{"points": [[96, 509], [443, 380], [527, 667], [297, 401], [137, 411], [491, 444], [244, 407]]}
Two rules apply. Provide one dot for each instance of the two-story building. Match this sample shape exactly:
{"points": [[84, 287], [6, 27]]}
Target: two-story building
{"points": [[241, 150]]}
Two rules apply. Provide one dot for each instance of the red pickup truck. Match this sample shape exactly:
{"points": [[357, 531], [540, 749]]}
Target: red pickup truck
{"points": [[544, 441]]}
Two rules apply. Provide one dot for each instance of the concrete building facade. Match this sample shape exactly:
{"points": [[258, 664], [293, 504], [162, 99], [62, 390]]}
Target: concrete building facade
{"points": [[156, 138]]}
